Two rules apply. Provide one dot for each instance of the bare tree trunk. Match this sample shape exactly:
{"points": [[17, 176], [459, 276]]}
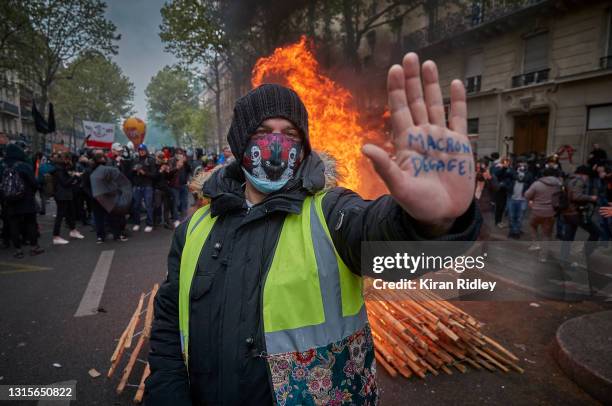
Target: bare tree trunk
{"points": [[352, 40], [217, 93], [312, 7], [327, 34]]}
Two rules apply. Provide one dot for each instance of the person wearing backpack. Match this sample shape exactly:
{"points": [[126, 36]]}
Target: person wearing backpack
{"points": [[65, 181], [580, 209], [540, 195], [18, 186]]}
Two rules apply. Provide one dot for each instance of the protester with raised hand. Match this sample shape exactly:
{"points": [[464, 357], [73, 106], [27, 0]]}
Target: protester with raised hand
{"points": [[242, 317]]}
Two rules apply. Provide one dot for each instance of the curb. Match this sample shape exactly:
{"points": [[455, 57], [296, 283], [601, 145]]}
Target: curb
{"points": [[583, 370]]}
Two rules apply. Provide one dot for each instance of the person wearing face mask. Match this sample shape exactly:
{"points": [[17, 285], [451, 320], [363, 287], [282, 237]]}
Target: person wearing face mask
{"points": [[263, 303], [517, 204]]}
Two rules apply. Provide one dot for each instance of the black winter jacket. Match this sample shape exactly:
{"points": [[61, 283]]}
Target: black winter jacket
{"points": [[64, 182], [226, 335], [148, 166]]}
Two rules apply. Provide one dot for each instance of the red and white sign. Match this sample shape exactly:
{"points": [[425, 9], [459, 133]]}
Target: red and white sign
{"points": [[99, 135]]}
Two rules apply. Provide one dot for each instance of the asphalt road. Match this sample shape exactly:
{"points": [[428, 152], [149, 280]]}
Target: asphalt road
{"points": [[39, 297]]}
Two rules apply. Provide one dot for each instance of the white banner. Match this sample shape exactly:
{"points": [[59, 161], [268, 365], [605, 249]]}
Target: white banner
{"points": [[101, 135]]}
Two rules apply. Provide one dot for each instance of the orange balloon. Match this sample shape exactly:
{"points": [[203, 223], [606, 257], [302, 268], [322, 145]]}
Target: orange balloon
{"points": [[135, 129]]}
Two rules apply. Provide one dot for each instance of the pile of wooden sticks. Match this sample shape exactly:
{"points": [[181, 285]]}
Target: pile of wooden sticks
{"points": [[416, 332], [125, 343]]}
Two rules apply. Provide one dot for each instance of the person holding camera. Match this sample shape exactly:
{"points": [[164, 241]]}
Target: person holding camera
{"points": [[143, 175], [162, 196]]}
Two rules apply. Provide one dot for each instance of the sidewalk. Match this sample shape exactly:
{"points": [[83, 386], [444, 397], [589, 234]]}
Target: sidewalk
{"points": [[522, 268]]}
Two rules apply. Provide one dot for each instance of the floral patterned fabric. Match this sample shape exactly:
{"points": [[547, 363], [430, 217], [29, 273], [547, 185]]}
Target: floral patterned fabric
{"points": [[342, 373]]}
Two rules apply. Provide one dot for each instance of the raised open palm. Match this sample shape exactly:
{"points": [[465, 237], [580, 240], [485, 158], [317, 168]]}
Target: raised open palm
{"points": [[432, 174]]}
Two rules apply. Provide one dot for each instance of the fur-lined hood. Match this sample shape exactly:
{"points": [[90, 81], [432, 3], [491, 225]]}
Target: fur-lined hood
{"points": [[229, 178]]}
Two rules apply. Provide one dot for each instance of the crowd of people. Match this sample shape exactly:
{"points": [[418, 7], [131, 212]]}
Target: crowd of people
{"points": [[159, 183], [509, 186], [162, 196]]}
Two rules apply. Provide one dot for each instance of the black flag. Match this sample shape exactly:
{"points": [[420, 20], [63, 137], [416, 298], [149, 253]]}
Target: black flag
{"points": [[43, 126]]}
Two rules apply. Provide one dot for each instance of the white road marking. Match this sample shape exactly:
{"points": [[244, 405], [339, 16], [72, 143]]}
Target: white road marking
{"points": [[63, 402], [91, 298]]}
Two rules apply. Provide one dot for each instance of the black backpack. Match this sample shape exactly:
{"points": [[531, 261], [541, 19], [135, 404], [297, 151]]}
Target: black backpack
{"points": [[12, 186], [560, 199]]}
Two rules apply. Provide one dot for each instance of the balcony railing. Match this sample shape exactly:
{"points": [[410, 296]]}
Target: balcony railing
{"points": [[530, 78], [457, 23], [606, 62], [9, 108], [472, 84]]}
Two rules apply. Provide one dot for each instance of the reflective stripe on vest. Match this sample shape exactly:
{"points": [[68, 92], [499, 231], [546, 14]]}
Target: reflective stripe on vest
{"points": [[310, 297]]}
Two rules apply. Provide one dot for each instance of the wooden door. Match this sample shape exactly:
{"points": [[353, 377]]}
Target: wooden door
{"points": [[530, 133]]}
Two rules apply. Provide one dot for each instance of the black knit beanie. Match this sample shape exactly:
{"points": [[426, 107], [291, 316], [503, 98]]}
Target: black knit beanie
{"points": [[264, 102]]}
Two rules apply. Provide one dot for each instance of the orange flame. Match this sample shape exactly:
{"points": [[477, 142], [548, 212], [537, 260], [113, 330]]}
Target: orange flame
{"points": [[333, 122]]}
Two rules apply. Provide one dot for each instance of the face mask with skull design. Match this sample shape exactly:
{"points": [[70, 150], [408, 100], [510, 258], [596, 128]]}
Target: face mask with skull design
{"points": [[270, 160]]}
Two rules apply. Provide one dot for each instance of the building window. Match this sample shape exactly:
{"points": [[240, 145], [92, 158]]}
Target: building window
{"points": [[599, 117], [472, 126], [473, 73], [535, 61], [536, 53]]}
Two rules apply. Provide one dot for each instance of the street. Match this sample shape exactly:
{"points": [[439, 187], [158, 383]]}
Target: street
{"points": [[40, 296]]}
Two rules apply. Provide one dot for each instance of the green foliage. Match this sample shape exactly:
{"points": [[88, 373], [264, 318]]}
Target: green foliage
{"points": [[169, 92], [60, 31], [14, 28], [51, 36], [98, 91], [200, 126], [172, 103], [193, 30], [158, 137]]}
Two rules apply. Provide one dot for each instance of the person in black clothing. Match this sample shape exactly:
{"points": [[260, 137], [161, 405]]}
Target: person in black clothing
{"points": [[501, 184], [162, 197], [82, 201], [181, 169], [598, 156], [21, 212], [65, 181], [143, 171], [581, 209]]}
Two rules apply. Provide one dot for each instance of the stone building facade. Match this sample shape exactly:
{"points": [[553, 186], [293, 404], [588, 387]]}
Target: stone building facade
{"points": [[539, 76], [16, 121]]}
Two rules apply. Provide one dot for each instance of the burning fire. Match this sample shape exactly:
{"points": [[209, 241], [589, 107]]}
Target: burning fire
{"points": [[333, 122]]}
